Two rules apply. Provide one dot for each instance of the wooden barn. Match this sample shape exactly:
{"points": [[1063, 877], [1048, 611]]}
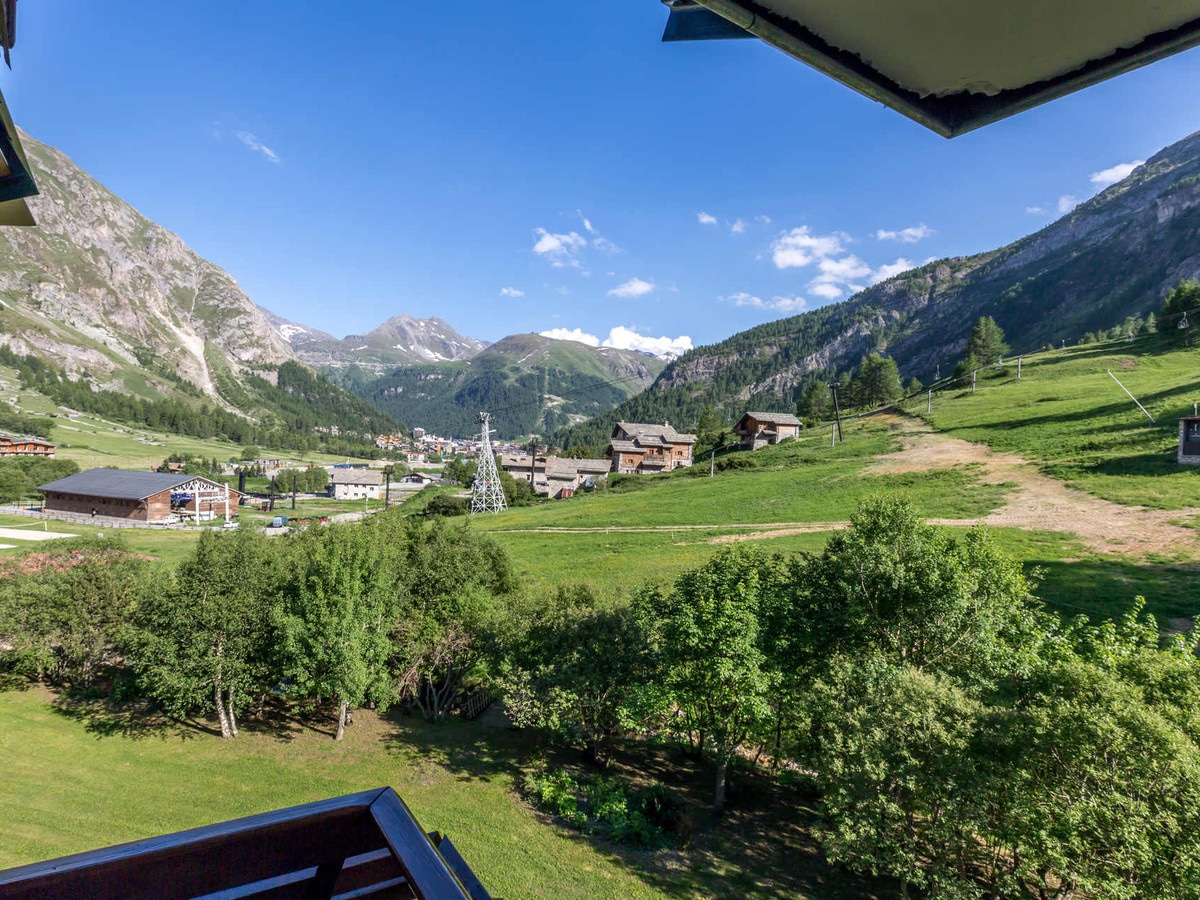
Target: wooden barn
{"points": [[143, 496]]}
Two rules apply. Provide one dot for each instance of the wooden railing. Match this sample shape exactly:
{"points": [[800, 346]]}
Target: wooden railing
{"points": [[474, 705], [365, 844]]}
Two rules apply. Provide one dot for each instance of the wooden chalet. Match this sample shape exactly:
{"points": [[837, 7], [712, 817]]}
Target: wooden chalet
{"points": [[637, 448], [26, 446], [555, 477], [141, 496], [361, 845], [762, 429]]}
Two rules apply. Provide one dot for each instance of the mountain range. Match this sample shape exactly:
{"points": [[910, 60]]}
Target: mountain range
{"points": [[114, 302], [1113, 257]]}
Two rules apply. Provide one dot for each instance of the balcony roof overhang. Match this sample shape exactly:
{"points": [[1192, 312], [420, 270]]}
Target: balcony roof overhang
{"points": [[954, 66]]}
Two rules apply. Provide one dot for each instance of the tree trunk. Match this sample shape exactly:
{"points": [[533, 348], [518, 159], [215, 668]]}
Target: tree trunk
{"points": [[719, 793], [232, 718], [341, 729], [220, 704]]}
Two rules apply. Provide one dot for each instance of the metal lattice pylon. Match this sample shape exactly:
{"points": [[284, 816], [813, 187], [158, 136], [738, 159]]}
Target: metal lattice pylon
{"points": [[487, 495]]}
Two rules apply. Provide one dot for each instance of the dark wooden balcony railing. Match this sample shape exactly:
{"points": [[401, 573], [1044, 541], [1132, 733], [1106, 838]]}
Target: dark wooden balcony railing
{"points": [[360, 845]]}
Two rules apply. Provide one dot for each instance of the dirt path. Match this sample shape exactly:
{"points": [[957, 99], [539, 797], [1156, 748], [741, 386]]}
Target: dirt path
{"points": [[1039, 502]]}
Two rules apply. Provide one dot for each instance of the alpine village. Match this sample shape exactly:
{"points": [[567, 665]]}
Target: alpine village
{"points": [[893, 596]]}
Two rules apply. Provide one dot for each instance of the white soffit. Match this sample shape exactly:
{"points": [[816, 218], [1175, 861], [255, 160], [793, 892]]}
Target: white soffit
{"points": [[957, 64]]}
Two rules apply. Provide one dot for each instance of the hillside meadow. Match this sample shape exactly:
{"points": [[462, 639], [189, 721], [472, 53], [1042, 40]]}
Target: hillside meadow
{"points": [[1068, 414]]}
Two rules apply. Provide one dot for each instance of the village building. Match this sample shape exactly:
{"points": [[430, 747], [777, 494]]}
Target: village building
{"points": [[552, 476], [1189, 441], [763, 429], [140, 496], [25, 446], [356, 484], [636, 448]]}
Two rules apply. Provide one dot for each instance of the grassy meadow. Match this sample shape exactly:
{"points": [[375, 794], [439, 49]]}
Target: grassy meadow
{"points": [[1067, 414], [101, 776]]}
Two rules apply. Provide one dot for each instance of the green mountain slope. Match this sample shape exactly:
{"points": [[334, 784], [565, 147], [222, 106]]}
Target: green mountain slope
{"points": [[1112, 257], [530, 384]]}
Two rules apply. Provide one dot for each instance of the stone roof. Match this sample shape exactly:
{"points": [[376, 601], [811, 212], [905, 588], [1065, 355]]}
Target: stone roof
{"points": [[775, 418], [115, 484], [658, 435], [367, 477]]}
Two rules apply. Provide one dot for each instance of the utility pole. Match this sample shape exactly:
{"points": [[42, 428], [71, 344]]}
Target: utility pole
{"points": [[533, 447], [387, 487], [1018, 368], [271, 496], [712, 462], [929, 402], [293, 492], [837, 409], [973, 380]]}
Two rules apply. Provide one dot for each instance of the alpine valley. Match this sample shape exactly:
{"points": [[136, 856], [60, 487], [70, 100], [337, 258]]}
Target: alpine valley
{"points": [[105, 304], [1113, 257]]}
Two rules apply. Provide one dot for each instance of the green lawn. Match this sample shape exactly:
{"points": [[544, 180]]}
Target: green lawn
{"points": [[1068, 414], [80, 777]]}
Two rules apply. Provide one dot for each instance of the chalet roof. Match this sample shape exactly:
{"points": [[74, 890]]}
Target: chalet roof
{"points": [[624, 446], [115, 484], [520, 461], [25, 439], [953, 66], [653, 435], [773, 417], [368, 477]]}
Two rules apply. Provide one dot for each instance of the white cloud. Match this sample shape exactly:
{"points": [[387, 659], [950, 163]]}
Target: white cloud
{"points": [[738, 227], [1066, 203], [705, 219], [561, 249], [828, 291], [257, 146], [800, 247], [587, 223], [779, 304], [572, 334], [1035, 210], [906, 235], [1105, 177], [884, 272], [766, 220], [634, 287], [511, 292], [605, 245], [622, 338]]}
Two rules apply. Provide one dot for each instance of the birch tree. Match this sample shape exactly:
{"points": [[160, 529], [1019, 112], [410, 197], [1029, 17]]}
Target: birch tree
{"points": [[206, 640]]}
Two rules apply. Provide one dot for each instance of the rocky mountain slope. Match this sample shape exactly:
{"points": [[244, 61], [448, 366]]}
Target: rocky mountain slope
{"points": [[401, 340], [529, 383], [1114, 256], [97, 287]]}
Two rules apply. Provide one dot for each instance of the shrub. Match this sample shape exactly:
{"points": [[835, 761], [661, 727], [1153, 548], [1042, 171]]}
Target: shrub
{"points": [[606, 807]]}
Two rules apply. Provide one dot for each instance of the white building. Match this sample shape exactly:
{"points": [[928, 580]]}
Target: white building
{"points": [[356, 484]]}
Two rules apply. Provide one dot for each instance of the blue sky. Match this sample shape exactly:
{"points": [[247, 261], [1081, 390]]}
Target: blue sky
{"points": [[540, 165]]}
